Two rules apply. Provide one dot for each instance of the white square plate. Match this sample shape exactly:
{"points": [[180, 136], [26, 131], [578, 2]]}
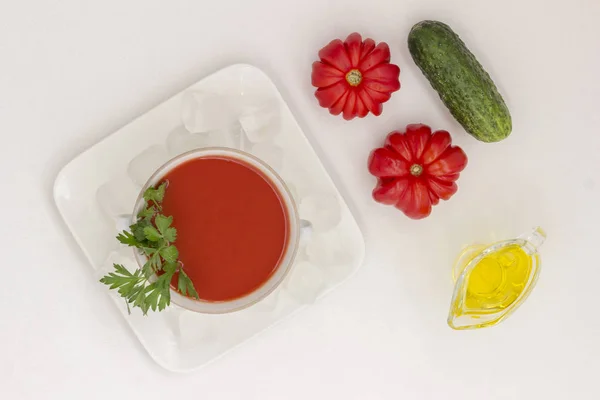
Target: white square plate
{"points": [[237, 107]]}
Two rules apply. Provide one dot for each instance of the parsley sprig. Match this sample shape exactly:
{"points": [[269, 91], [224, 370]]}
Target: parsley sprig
{"points": [[149, 287]]}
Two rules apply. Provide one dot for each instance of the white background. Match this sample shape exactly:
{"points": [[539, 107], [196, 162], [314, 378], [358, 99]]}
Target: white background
{"points": [[73, 71]]}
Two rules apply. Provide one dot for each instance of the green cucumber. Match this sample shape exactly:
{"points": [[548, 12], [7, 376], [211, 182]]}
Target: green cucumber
{"points": [[460, 80]]}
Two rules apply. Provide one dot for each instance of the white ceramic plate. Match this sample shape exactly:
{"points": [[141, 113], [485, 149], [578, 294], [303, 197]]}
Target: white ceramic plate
{"points": [[237, 107]]}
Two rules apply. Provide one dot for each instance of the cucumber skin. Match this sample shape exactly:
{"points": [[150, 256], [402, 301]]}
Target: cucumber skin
{"points": [[463, 85]]}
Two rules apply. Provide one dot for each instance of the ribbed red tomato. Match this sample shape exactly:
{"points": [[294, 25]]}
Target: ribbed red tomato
{"points": [[354, 77], [416, 169]]}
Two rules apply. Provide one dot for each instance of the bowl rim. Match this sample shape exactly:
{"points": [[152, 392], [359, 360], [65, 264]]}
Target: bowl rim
{"points": [[293, 231]]}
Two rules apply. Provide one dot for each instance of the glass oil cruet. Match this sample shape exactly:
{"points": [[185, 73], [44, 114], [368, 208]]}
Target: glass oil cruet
{"points": [[492, 281]]}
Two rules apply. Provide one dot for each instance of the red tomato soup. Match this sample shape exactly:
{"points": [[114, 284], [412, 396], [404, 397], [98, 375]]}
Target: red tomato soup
{"points": [[232, 225]]}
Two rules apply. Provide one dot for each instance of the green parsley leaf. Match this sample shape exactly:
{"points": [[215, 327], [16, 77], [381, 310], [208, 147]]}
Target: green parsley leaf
{"points": [[130, 294], [128, 239], [148, 269], [169, 253], [164, 301], [152, 234], [152, 298], [170, 234], [162, 222], [139, 299], [147, 212], [160, 192], [150, 194], [155, 261], [148, 250], [138, 230], [120, 277], [155, 195], [185, 285], [171, 268]]}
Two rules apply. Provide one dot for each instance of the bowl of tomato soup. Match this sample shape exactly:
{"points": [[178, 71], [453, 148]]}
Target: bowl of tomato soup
{"points": [[237, 226]]}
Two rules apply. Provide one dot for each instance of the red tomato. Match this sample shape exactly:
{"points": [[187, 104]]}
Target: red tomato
{"points": [[354, 77], [416, 169]]}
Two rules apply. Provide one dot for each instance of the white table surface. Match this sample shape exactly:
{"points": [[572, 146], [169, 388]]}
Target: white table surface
{"points": [[73, 71]]}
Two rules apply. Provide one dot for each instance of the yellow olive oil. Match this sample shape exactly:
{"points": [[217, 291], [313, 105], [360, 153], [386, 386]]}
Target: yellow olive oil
{"points": [[498, 279], [492, 281]]}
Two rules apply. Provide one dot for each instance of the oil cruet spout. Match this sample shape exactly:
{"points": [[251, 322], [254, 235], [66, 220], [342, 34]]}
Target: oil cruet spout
{"points": [[534, 240]]}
